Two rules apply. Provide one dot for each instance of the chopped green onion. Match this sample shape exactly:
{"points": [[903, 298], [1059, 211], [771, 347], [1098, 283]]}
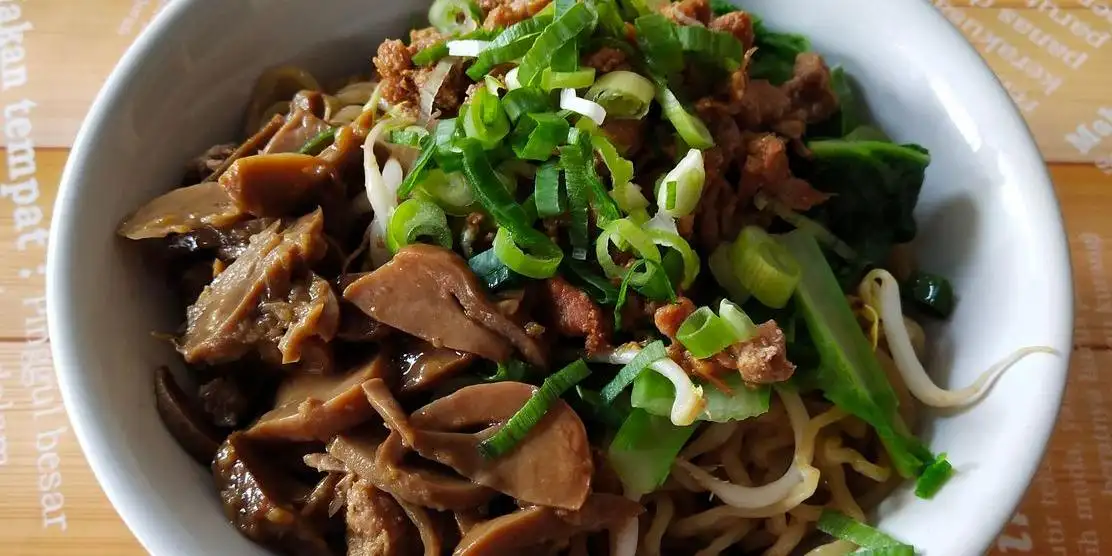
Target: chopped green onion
{"points": [[764, 267], [518, 426], [656, 36], [578, 20], [514, 370], [723, 271], [740, 322], [410, 136], [599, 288], [578, 79], [609, 18], [629, 198], [591, 405], [318, 143], [624, 232], [624, 94], [496, 199], [691, 128], [574, 162], [898, 550], [644, 450], [512, 82], [485, 120], [453, 17], [539, 265], [647, 356], [493, 273], [934, 476], [656, 394], [687, 255], [450, 191], [712, 46], [682, 187], [931, 293], [704, 333], [511, 44], [431, 54], [428, 150], [526, 100], [656, 286], [621, 170], [841, 526], [415, 219], [547, 191], [537, 135]]}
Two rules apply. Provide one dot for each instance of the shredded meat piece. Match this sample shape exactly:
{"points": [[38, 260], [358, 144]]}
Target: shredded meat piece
{"points": [[420, 39], [376, 524], [452, 92], [738, 24], [810, 89], [606, 59], [763, 105], [685, 12], [503, 13], [668, 318], [762, 359], [572, 313], [767, 168], [394, 62]]}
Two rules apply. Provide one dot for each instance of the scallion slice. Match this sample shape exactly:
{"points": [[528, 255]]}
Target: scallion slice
{"points": [[519, 425], [485, 119], [537, 135], [540, 264], [764, 267], [450, 191], [674, 241], [737, 319], [415, 219], [431, 54], [574, 164], [319, 142], [547, 191], [599, 288], [841, 526], [679, 192], [581, 106], [578, 20], [510, 44], [625, 234], [704, 333], [623, 94], [578, 79], [453, 17], [656, 36], [495, 198], [429, 148], [621, 169], [526, 100], [934, 476], [467, 48], [647, 356], [723, 271], [493, 273], [410, 136], [713, 46], [690, 128]]}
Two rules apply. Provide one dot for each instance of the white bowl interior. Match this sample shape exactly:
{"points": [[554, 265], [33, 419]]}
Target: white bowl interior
{"points": [[988, 220]]}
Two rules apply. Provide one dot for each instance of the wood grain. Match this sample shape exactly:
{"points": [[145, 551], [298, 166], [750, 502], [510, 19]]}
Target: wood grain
{"points": [[75, 43]]}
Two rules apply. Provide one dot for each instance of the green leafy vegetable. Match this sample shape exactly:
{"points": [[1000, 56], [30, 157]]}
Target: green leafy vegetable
{"points": [[492, 272], [644, 449], [655, 394], [934, 476], [930, 293], [656, 36], [841, 526], [647, 356], [318, 143], [776, 53], [849, 374]]}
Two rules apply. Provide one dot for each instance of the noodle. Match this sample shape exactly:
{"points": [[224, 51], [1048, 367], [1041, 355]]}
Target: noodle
{"points": [[665, 509], [836, 548], [726, 540], [836, 453], [788, 540], [711, 439], [731, 459], [841, 497]]}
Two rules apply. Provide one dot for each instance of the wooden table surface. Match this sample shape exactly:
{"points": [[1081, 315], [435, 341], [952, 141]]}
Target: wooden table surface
{"points": [[1055, 57]]}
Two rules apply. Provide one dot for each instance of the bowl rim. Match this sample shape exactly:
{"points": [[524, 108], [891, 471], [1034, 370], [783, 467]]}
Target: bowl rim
{"points": [[126, 499]]}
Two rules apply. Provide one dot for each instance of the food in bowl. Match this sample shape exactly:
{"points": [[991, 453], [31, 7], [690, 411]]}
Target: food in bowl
{"points": [[432, 309]]}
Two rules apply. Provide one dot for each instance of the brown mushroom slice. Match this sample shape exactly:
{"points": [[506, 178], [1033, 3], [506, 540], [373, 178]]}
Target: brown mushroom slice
{"points": [[538, 526], [430, 537], [185, 422], [301, 126], [251, 146], [423, 487], [317, 407], [315, 314], [383, 402], [358, 327], [376, 524], [182, 210], [258, 499], [425, 366], [551, 466], [430, 292], [316, 505], [222, 325], [275, 185]]}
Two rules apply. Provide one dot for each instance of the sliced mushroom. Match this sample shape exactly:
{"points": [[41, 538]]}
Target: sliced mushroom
{"points": [[317, 407], [182, 210], [301, 126], [376, 524], [431, 293], [251, 146], [551, 466], [275, 185], [537, 526], [380, 462], [185, 422], [258, 500], [425, 366]]}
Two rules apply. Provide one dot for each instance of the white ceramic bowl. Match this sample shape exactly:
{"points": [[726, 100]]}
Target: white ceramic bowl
{"points": [[988, 219]]}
